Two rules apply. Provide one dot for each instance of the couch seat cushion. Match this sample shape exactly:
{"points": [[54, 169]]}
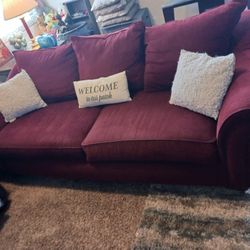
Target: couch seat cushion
{"points": [[55, 130], [150, 129]]}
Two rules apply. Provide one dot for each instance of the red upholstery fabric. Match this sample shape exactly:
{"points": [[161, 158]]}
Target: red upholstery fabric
{"points": [[105, 55], [150, 129], [209, 32], [13, 71], [234, 119], [234, 147], [242, 32], [170, 173], [55, 131], [2, 122], [53, 71], [238, 154], [237, 98]]}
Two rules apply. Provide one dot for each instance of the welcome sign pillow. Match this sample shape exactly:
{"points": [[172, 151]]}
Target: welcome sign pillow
{"points": [[101, 91]]}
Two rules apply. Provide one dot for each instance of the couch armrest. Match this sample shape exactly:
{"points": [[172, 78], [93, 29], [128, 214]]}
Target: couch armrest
{"points": [[233, 128]]}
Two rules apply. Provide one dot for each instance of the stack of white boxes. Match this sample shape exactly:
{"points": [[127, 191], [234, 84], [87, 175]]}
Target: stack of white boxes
{"points": [[111, 12]]}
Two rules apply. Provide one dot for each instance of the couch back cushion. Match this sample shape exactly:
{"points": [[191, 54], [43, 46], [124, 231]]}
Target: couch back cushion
{"points": [[15, 70], [109, 54], [241, 33], [52, 70], [209, 32], [2, 122]]}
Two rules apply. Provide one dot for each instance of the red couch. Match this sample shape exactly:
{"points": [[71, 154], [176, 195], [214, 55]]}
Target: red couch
{"points": [[144, 140]]}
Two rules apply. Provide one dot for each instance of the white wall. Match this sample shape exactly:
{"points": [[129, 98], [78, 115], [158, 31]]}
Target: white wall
{"points": [[55, 4], [154, 6]]}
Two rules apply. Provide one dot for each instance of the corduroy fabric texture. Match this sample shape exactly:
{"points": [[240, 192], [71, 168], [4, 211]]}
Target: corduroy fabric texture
{"points": [[209, 32], [241, 33], [105, 55], [150, 129], [237, 98], [57, 129], [53, 71]]}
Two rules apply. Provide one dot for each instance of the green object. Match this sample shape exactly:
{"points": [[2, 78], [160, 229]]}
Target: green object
{"points": [[18, 41]]}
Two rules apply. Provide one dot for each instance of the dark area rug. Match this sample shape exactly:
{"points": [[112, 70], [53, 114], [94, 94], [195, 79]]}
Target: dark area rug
{"points": [[194, 218], [63, 214]]}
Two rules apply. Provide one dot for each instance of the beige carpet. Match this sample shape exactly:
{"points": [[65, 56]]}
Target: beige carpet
{"points": [[56, 214]]}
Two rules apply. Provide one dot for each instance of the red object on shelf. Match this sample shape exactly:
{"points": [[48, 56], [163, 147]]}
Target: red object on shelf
{"points": [[5, 54], [25, 25]]}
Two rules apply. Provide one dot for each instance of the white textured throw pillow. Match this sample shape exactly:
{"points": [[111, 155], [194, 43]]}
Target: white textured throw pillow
{"points": [[101, 91], [19, 96], [100, 4], [201, 82]]}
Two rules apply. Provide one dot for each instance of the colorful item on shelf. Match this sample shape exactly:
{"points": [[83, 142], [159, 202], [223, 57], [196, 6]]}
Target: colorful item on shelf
{"points": [[54, 26], [51, 22], [46, 41]]}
